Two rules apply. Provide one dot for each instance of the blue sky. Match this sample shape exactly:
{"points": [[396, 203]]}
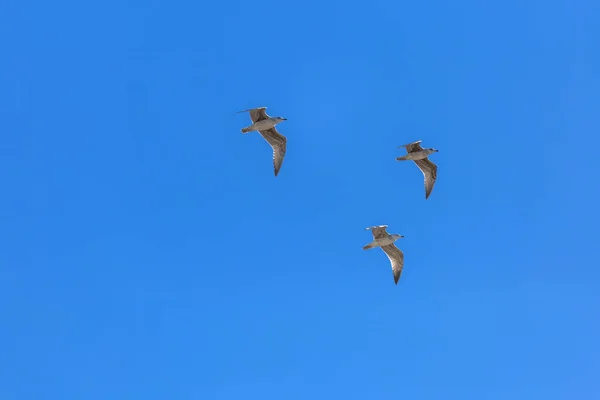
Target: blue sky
{"points": [[148, 252]]}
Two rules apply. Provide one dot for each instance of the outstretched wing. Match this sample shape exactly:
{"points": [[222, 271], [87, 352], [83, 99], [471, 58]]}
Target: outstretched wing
{"points": [[256, 114], [412, 147], [429, 171], [279, 143], [378, 231], [396, 259]]}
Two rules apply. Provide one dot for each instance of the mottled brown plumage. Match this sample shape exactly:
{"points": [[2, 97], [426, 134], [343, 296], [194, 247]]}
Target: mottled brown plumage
{"points": [[394, 254], [275, 139], [428, 168]]}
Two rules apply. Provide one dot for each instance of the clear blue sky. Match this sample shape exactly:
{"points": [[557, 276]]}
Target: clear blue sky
{"points": [[148, 252]]}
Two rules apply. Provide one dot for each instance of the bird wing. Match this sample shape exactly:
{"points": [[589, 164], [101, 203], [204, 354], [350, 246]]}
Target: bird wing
{"points": [[396, 259], [414, 146], [378, 231], [279, 143], [429, 171], [256, 114]]}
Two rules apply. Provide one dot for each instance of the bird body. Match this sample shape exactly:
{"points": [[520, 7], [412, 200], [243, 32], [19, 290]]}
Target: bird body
{"points": [[419, 155], [265, 125], [386, 241]]}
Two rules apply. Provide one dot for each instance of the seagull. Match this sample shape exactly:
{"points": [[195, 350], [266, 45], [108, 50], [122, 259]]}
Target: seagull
{"points": [[386, 241], [419, 155], [265, 125]]}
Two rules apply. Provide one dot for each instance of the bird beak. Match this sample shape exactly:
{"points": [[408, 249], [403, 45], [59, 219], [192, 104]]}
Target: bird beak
{"points": [[285, 119]]}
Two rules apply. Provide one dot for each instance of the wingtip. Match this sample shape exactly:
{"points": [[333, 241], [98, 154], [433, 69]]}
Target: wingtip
{"points": [[250, 109], [408, 144]]}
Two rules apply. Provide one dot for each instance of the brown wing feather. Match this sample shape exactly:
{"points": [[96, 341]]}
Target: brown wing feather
{"points": [[256, 114], [414, 146], [378, 231], [279, 144], [396, 259], [429, 171]]}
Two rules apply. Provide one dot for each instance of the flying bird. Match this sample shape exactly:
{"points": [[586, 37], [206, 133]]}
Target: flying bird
{"points": [[386, 241], [416, 153], [265, 125]]}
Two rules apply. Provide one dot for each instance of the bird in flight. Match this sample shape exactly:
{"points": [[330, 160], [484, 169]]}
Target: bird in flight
{"points": [[265, 125], [386, 241], [419, 155]]}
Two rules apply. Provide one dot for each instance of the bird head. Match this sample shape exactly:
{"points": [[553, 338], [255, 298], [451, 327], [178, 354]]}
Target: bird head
{"points": [[396, 236], [434, 150], [279, 119]]}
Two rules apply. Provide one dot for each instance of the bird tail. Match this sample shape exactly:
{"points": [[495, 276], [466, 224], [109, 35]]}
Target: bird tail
{"points": [[370, 246], [403, 158], [246, 129]]}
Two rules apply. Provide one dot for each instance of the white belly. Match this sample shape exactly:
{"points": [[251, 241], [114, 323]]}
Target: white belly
{"points": [[385, 241], [263, 125], [418, 155]]}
